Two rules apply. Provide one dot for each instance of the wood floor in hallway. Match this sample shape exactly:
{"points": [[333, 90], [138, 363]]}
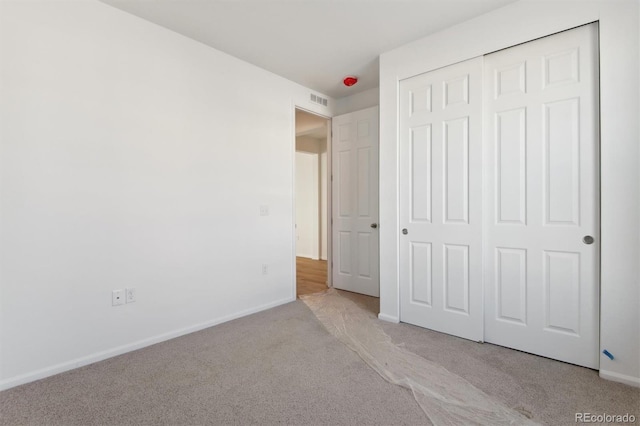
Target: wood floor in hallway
{"points": [[311, 276]]}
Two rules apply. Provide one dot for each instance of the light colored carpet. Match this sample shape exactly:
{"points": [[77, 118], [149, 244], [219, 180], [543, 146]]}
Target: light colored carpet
{"points": [[550, 391], [282, 367], [446, 398], [275, 367]]}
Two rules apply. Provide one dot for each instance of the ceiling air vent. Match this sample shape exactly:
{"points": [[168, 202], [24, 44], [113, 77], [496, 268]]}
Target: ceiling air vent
{"points": [[318, 100]]}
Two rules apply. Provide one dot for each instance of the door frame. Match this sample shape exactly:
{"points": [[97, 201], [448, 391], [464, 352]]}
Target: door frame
{"points": [[328, 207]]}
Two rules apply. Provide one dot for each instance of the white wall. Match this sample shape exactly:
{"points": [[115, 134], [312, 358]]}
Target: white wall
{"points": [[307, 205], [620, 156], [362, 100], [132, 156], [309, 144], [309, 124]]}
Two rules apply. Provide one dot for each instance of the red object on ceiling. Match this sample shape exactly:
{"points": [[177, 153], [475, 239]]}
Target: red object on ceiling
{"points": [[350, 81]]}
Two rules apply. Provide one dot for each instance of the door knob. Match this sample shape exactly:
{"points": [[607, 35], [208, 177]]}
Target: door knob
{"points": [[588, 239], [374, 225], [404, 231]]}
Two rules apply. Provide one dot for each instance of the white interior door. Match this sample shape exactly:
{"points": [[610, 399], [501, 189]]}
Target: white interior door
{"points": [[441, 200], [355, 202], [541, 109]]}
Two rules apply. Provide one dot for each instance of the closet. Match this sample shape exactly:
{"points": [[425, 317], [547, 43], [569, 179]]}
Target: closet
{"points": [[499, 198]]}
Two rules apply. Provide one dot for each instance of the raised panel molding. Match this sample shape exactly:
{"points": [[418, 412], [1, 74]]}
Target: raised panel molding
{"points": [[511, 285], [456, 91], [562, 162], [344, 266], [456, 278], [364, 264], [344, 167], [364, 171], [420, 100], [510, 80], [511, 167], [456, 170], [561, 68], [420, 273], [344, 132], [363, 129], [562, 292], [421, 190]]}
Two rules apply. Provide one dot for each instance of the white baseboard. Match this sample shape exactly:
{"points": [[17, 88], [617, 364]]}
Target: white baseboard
{"points": [[109, 353], [388, 318], [622, 378], [308, 256]]}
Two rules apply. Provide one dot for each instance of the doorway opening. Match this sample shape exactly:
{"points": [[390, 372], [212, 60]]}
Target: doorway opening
{"points": [[312, 202]]}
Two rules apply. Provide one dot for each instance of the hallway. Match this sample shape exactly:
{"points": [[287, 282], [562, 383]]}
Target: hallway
{"points": [[311, 276]]}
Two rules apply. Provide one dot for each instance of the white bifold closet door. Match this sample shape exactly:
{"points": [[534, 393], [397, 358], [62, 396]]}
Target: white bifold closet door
{"points": [[499, 191], [542, 223], [441, 200]]}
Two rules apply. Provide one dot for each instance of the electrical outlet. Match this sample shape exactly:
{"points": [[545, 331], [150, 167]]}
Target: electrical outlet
{"points": [[130, 295], [265, 269], [264, 210], [117, 297]]}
